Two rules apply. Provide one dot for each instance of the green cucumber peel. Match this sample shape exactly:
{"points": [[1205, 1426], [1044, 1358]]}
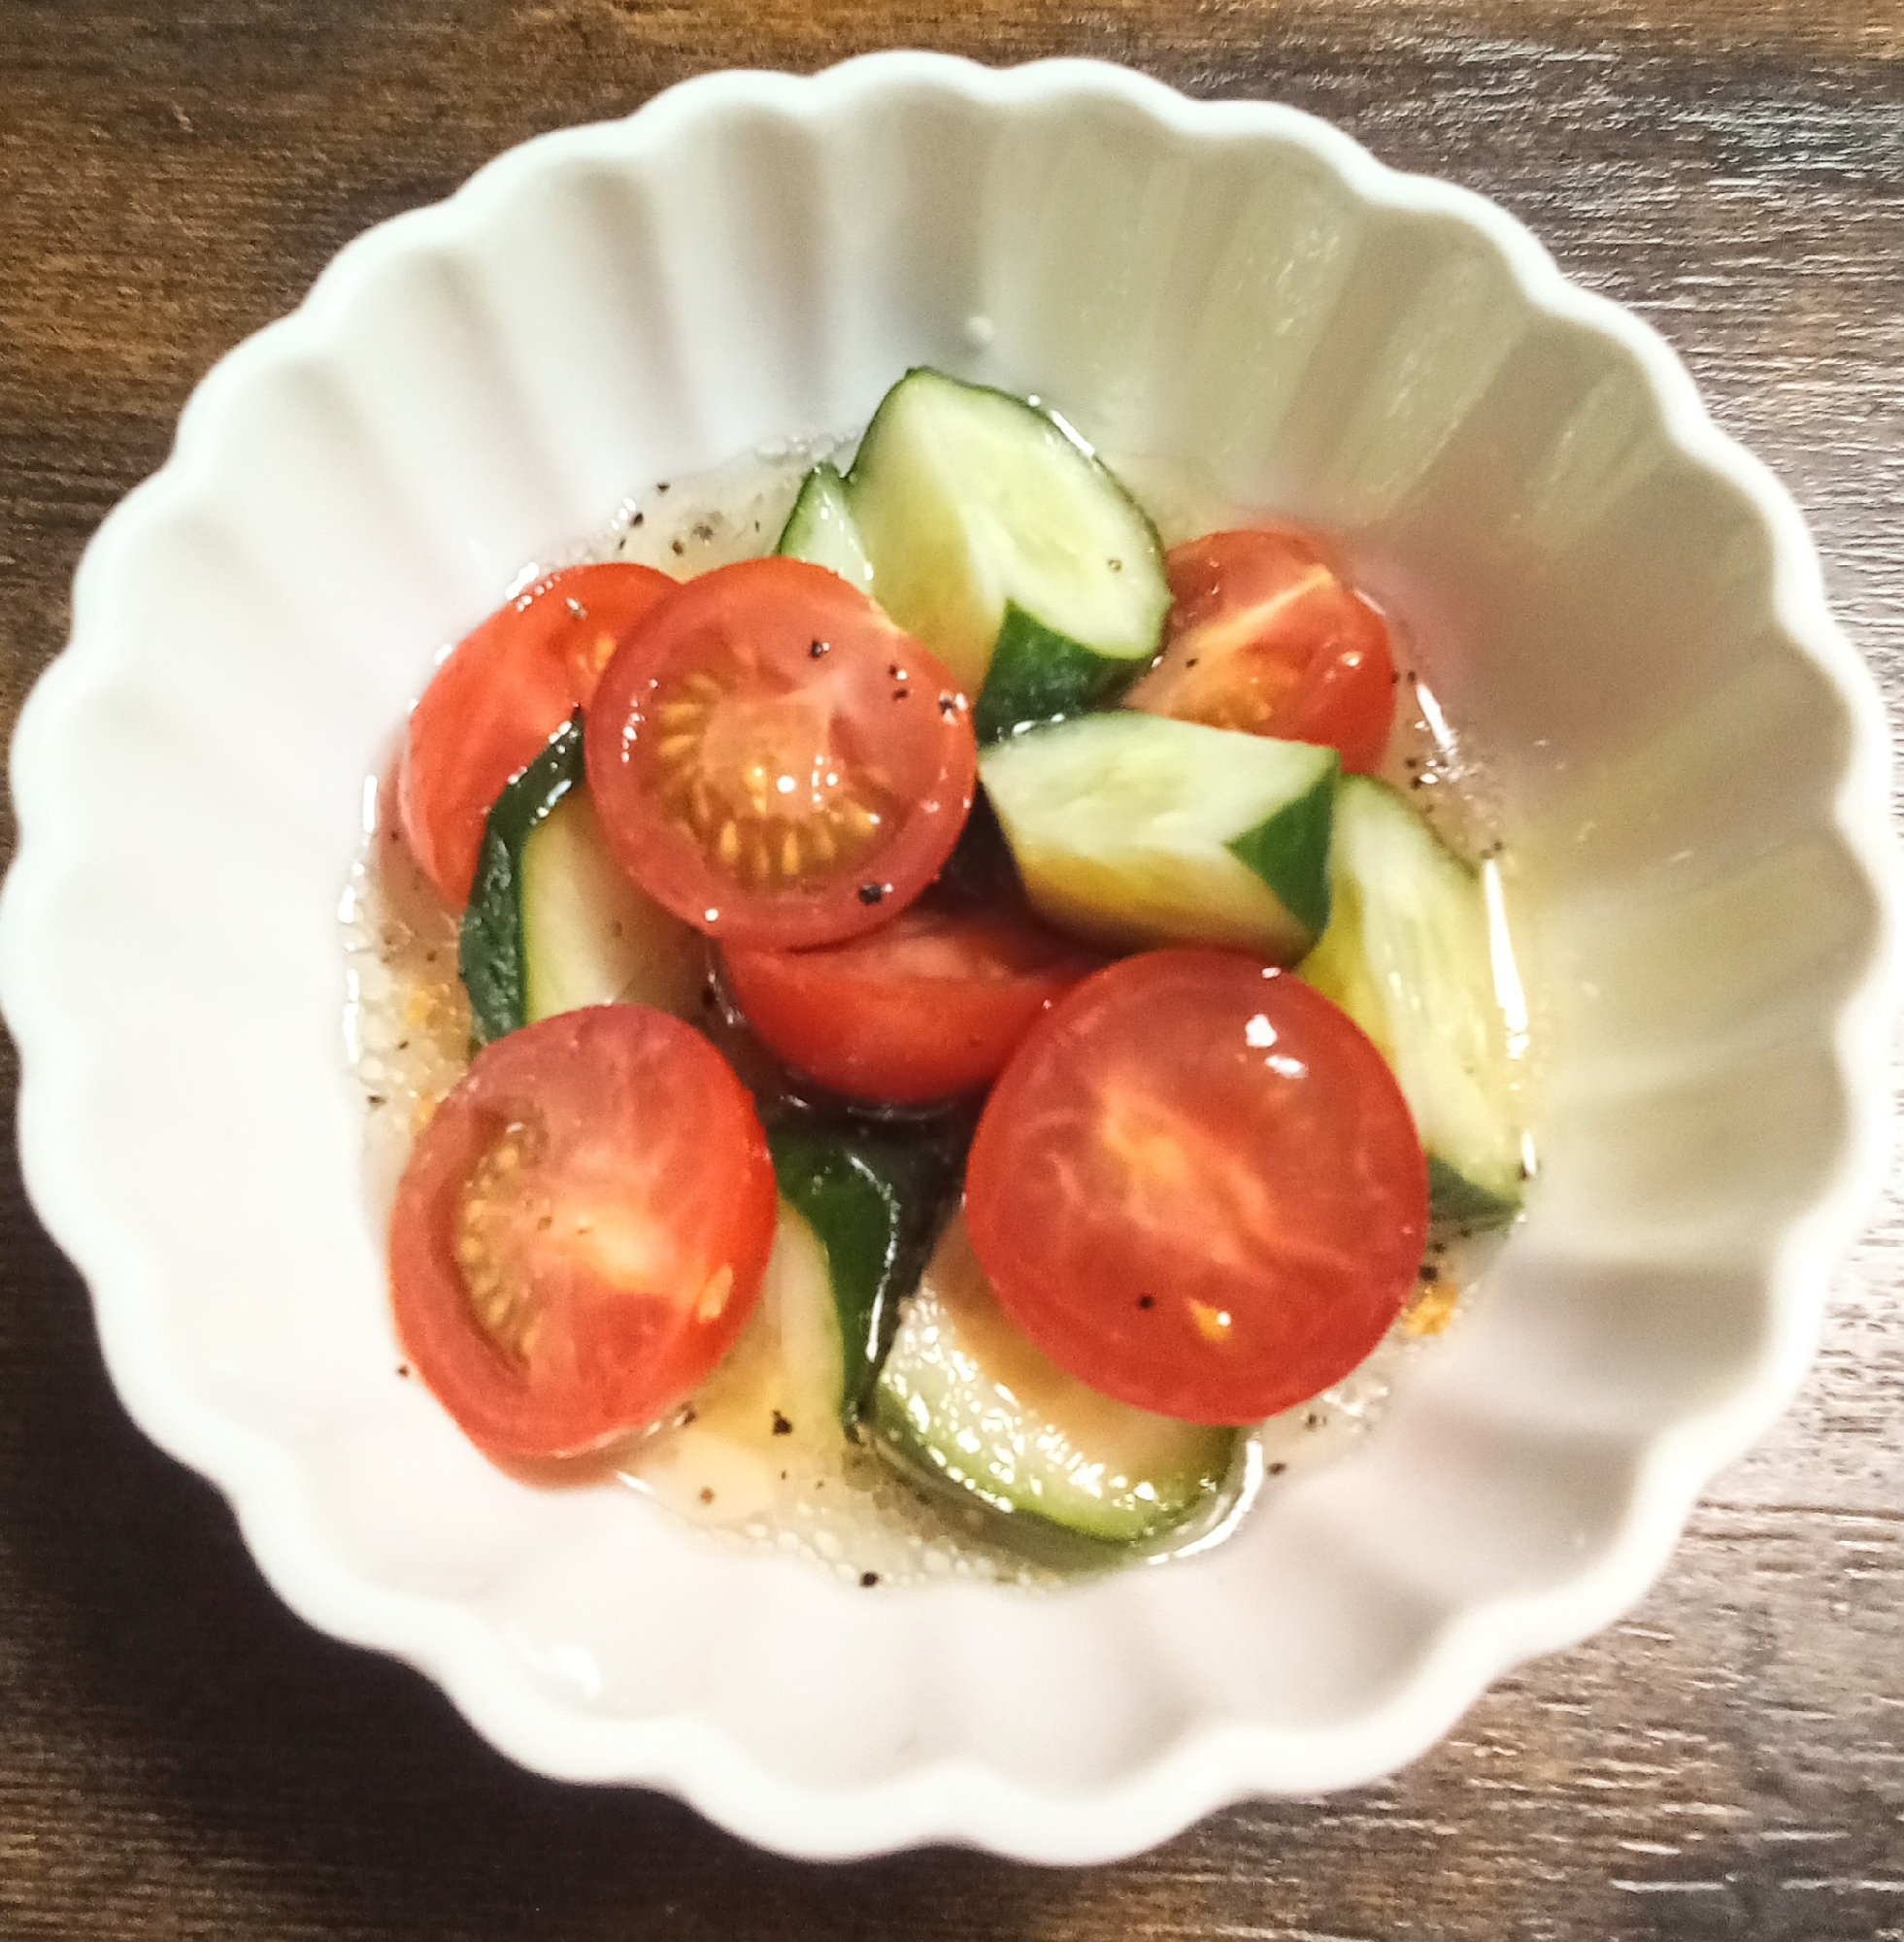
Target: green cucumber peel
{"points": [[1289, 852], [875, 1203], [491, 953], [1456, 1201], [1038, 676]]}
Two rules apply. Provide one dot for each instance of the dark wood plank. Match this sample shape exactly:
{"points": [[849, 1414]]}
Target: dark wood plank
{"points": [[181, 1758]]}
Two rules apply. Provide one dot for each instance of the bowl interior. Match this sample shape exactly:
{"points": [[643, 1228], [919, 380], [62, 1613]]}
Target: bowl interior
{"points": [[1603, 612]]}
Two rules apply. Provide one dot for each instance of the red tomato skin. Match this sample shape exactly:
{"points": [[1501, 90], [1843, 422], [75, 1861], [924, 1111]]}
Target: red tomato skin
{"points": [[904, 729], [1265, 636], [1175, 1220], [597, 1084], [928, 1006], [491, 707]]}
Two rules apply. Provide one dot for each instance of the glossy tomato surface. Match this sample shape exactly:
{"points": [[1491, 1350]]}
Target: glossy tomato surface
{"points": [[1265, 636], [927, 1006], [582, 1231], [1197, 1187], [776, 763], [493, 704]]}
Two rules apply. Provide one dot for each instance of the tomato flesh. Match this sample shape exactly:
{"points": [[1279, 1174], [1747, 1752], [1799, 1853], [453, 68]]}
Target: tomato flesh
{"points": [[581, 1232], [927, 1006], [774, 761], [1264, 636], [493, 704], [1198, 1189]]}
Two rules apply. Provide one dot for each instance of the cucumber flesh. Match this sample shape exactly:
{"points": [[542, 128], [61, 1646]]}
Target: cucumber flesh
{"points": [[874, 1204], [822, 531], [594, 937], [999, 540], [1409, 955], [966, 1404], [1134, 830], [767, 1421], [553, 923]]}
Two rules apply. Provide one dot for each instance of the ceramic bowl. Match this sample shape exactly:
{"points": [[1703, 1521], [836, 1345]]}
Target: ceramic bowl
{"points": [[1619, 607]]}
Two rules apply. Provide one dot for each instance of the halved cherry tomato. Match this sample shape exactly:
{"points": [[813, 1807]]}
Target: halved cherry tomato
{"points": [[1197, 1187], [491, 707], [582, 1231], [773, 760], [1264, 636], [925, 1007]]}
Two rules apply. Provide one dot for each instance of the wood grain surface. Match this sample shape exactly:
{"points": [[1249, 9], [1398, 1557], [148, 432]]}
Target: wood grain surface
{"points": [[180, 1757]]}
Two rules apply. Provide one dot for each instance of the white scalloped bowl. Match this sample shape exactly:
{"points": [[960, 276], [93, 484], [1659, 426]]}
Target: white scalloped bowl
{"points": [[1630, 629]]}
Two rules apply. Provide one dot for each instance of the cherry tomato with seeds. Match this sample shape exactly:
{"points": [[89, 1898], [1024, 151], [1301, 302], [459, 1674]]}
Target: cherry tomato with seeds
{"points": [[925, 1007], [776, 763], [492, 706], [1266, 637], [581, 1232], [1197, 1187]]}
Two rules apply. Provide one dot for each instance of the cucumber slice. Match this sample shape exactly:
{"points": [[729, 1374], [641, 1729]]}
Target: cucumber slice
{"points": [[767, 1421], [999, 540], [1409, 955], [822, 529], [1134, 829], [874, 1203], [967, 1403], [553, 923], [594, 937]]}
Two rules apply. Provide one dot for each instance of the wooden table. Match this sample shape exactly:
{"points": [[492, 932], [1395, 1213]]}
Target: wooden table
{"points": [[180, 1757]]}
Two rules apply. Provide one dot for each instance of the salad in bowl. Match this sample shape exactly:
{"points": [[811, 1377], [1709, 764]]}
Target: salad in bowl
{"points": [[1065, 1107], [1023, 1000]]}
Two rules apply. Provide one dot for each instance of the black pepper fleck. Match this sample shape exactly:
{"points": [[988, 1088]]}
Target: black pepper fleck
{"points": [[702, 531], [403, 1369], [949, 704], [899, 694], [1277, 1469], [1425, 1272], [1117, 565], [707, 1494], [819, 648], [662, 487], [680, 546], [637, 519], [872, 893], [782, 1426], [1192, 661], [1147, 1302], [1313, 1420], [867, 1580], [377, 1099]]}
